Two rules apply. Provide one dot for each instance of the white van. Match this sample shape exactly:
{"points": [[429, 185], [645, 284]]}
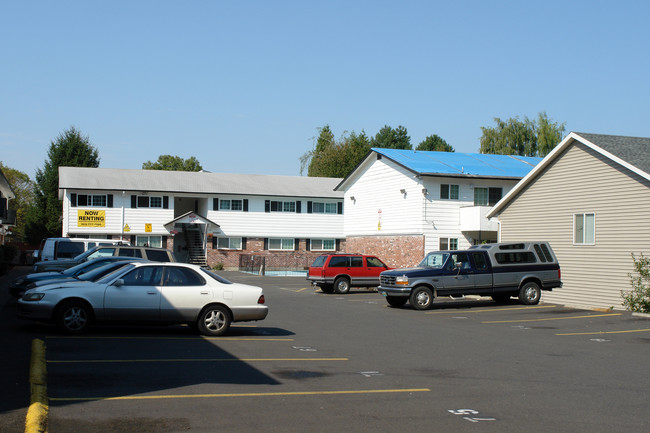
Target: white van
{"points": [[67, 248]]}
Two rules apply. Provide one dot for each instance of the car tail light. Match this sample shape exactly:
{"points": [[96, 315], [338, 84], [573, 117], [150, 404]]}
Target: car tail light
{"points": [[559, 274], [261, 300]]}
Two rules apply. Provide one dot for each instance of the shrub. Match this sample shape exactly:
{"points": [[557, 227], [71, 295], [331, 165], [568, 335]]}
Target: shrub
{"points": [[218, 267], [638, 299]]}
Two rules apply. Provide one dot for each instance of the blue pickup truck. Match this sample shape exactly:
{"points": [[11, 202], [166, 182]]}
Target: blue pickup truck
{"points": [[500, 270]]}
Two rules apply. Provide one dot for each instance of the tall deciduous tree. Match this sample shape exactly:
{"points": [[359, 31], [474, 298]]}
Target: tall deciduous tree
{"points": [[173, 163], [392, 138], [23, 188], [436, 143], [70, 149], [525, 138]]}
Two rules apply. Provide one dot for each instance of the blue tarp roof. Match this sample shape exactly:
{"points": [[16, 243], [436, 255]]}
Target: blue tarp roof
{"points": [[461, 164]]}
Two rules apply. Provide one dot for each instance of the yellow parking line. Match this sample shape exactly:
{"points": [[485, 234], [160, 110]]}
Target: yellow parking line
{"points": [[246, 394], [489, 310], [90, 361], [606, 332], [551, 318]]}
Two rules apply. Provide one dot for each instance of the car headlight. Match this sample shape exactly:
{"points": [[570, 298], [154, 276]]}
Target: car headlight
{"points": [[33, 296], [402, 280], [17, 282]]}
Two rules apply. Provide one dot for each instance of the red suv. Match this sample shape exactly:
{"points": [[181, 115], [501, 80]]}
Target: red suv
{"points": [[336, 273]]}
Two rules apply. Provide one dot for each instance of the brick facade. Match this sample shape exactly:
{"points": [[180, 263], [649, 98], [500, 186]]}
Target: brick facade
{"points": [[299, 259], [395, 251]]}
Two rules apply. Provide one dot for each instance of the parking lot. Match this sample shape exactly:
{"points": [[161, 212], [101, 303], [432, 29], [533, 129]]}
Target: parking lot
{"points": [[324, 363]]}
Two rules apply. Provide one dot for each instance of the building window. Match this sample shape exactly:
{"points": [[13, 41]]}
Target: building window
{"points": [[229, 243], [319, 207], [322, 245], [283, 206], [91, 200], [146, 201], [148, 241], [487, 196], [448, 244], [236, 205], [281, 244], [449, 192], [584, 229]]}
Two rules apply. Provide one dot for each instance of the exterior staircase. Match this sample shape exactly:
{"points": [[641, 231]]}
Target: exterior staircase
{"points": [[196, 248]]}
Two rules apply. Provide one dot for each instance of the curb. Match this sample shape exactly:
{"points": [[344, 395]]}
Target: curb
{"points": [[36, 421]]}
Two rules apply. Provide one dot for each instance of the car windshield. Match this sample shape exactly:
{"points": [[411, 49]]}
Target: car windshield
{"points": [[108, 277], [214, 276], [101, 271], [434, 260]]}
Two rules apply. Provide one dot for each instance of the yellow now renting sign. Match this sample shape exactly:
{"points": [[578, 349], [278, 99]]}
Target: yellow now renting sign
{"points": [[91, 218]]}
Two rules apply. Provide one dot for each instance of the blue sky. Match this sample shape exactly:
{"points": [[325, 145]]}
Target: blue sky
{"points": [[244, 85]]}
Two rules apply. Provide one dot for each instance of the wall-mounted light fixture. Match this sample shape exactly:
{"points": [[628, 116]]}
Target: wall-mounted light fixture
{"points": [[352, 198], [403, 191], [424, 191]]}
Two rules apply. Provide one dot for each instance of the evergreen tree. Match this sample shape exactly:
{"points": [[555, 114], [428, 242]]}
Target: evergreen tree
{"points": [[70, 149], [435, 143]]}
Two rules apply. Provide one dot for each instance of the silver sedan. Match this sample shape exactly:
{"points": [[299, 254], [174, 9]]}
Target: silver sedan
{"points": [[149, 292]]}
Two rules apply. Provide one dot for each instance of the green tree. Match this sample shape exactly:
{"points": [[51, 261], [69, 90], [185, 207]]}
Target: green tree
{"points": [[23, 188], [549, 134], [435, 143], [70, 149], [638, 299], [389, 138], [335, 158], [173, 163], [522, 137]]}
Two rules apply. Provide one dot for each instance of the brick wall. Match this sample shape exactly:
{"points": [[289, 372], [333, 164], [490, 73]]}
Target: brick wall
{"points": [[395, 251], [300, 258]]}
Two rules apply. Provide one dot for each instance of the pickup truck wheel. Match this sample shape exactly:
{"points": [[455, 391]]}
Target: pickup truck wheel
{"points": [[421, 298], [396, 301], [327, 288], [530, 294], [341, 285]]}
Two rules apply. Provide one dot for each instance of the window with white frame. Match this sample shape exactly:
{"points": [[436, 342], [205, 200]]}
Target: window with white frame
{"points": [[322, 245], [150, 201], [281, 244], [449, 192], [320, 207], [229, 243], [448, 244], [91, 200], [234, 205], [283, 206], [148, 241], [584, 228]]}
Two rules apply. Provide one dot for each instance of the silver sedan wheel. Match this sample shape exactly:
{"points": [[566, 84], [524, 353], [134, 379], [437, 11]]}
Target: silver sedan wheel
{"points": [[73, 317], [214, 320]]}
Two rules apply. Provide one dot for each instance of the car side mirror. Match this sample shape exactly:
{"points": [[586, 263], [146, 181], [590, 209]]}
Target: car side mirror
{"points": [[119, 282]]}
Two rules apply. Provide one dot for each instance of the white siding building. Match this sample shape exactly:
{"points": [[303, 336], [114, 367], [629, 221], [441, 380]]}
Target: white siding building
{"points": [[590, 198], [206, 217], [400, 204]]}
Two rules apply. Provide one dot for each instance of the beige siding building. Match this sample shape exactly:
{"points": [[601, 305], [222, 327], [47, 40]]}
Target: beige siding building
{"points": [[590, 198]]}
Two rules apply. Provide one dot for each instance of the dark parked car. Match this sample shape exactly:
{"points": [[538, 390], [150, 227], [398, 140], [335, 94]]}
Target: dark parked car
{"points": [[338, 272], [80, 271]]}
